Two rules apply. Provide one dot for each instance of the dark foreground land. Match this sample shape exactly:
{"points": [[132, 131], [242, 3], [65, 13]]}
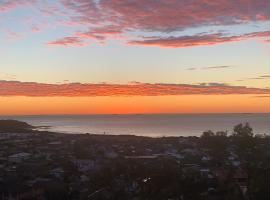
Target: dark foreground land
{"points": [[45, 165]]}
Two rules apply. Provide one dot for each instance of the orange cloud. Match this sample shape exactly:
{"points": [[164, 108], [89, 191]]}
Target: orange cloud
{"points": [[16, 88]]}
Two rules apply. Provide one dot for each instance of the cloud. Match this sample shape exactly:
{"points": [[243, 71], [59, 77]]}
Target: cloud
{"points": [[213, 84], [100, 33], [186, 41], [210, 68], [197, 40], [7, 76], [7, 5], [135, 20], [165, 17], [218, 67], [17, 88], [35, 28], [68, 41], [260, 77], [261, 96], [13, 36]]}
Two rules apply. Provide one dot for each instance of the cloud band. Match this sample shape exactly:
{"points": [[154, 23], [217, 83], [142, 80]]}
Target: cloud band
{"points": [[17, 88]]}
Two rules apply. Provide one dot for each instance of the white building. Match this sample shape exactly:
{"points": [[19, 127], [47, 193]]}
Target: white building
{"points": [[84, 165]]}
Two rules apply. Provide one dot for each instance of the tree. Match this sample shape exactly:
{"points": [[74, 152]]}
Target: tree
{"points": [[244, 141], [208, 134], [222, 133], [241, 130]]}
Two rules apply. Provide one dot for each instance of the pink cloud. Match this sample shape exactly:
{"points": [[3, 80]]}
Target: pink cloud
{"points": [[35, 29], [115, 17], [16, 88], [68, 41], [101, 33], [13, 36], [168, 15], [259, 34], [186, 41], [103, 19], [7, 5], [197, 40]]}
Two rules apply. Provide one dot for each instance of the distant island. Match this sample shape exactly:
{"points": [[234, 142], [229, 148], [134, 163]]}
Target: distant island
{"points": [[216, 166]]}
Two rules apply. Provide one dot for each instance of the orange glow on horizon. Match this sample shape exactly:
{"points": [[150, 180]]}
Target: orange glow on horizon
{"points": [[133, 105]]}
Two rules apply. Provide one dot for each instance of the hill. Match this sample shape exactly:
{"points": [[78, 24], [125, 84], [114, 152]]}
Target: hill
{"points": [[14, 126]]}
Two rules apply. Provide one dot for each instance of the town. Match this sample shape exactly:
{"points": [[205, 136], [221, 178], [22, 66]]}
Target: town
{"points": [[216, 166]]}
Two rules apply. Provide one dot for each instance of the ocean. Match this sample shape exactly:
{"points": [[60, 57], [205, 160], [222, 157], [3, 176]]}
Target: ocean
{"points": [[153, 125]]}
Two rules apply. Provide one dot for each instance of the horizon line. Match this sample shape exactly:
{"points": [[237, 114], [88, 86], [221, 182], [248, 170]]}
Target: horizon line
{"points": [[125, 114]]}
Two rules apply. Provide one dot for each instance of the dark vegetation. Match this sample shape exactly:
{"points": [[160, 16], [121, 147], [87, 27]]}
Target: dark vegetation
{"points": [[14, 126], [215, 166]]}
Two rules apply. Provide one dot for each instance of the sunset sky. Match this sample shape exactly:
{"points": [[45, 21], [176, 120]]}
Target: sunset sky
{"points": [[134, 56]]}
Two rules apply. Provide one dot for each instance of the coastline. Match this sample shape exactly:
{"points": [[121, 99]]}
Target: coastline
{"points": [[147, 125]]}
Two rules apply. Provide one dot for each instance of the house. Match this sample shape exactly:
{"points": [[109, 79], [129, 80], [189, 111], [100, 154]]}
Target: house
{"points": [[236, 163], [111, 155], [206, 158], [84, 178], [190, 151], [84, 165], [19, 157], [241, 178], [57, 172], [204, 172], [55, 143]]}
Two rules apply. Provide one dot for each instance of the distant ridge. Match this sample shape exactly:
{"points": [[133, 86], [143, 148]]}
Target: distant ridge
{"points": [[12, 126]]}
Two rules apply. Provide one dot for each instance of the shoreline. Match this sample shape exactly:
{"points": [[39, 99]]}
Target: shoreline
{"points": [[147, 125], [20, 127]]}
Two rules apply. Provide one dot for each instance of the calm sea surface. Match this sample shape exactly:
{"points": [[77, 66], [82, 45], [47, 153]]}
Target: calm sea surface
{"points": [[148, 125]]}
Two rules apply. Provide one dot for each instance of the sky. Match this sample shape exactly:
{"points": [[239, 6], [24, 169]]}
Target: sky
{"points": [[134, 56]]}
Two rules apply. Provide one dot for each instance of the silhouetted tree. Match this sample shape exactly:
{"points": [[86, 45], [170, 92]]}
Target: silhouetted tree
{"points": [[222, 133], [241, 130], [208, 134], [244, 141]]}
